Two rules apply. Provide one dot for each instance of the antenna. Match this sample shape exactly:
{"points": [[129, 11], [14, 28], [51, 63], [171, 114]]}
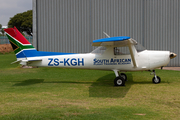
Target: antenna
{"points": [[106, 34]]}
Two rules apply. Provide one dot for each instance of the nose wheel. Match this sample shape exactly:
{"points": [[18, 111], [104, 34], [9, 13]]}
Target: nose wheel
{"points": [[156, 79]]}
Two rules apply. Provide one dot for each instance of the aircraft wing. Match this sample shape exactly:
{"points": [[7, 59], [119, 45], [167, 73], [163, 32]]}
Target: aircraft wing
{"points": [[114, 41], [120, 41]]}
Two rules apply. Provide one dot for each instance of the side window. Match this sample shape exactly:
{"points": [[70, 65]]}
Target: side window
{"points": [[121, 51]]}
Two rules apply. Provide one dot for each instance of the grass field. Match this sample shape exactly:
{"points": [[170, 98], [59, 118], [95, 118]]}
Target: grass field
{"points": [[56, 93]]}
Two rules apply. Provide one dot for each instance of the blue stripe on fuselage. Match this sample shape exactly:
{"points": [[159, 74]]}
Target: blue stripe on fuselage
{"points": [[35, 53]]}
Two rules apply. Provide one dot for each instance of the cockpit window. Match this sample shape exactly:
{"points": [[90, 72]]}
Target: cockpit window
{"points": [[99, 50], [125, 50], [121, 50]]}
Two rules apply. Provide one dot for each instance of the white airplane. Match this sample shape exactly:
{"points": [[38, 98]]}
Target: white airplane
{"points": [[119, 54]]}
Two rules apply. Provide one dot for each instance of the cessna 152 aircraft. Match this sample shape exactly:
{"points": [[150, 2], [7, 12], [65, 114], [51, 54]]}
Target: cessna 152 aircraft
{"points": [[119, 54]]}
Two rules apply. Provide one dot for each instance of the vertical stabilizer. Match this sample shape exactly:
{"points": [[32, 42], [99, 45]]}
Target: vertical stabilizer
{"points": [[18, 42]]}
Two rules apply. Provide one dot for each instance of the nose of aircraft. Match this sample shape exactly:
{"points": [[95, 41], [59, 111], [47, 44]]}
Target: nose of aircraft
{"points": [[172, 55]]}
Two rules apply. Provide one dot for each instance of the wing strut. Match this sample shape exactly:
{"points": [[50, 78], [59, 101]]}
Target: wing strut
{"points": [[132, 52]]}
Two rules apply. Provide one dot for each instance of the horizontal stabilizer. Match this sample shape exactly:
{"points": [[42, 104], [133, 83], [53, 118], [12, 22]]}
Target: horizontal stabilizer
{"points": [[34, 60], [18, 61], [26, 61]]}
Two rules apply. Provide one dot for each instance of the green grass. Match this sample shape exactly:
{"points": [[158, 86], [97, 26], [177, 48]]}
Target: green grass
{"points": [[57, 93]]}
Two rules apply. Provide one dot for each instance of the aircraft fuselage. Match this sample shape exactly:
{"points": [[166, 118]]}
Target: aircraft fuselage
{"points": [[146, 60]]}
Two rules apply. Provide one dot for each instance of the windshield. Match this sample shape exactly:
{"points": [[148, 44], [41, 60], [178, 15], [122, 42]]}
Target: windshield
{"points": [[99, 50], [139, 47]]}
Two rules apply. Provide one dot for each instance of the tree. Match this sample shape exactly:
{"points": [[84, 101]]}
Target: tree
{"points": [[22, 21], [2, 30]]}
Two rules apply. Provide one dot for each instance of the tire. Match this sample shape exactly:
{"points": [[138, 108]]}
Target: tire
{"points": [[119, 81], [123, 76], [156, 81]]}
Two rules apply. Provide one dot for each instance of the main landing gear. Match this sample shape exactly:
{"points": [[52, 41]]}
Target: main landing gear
{"points": [[120, 79]]}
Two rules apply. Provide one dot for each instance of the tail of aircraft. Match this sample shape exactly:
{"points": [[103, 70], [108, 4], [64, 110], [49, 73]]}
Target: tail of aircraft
{"points": [[23, 49], [21, 46]]}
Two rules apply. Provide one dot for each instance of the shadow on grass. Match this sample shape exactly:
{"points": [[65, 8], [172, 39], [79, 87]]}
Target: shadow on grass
{"points": [[36, 81], [104, 87], [29, 82]]}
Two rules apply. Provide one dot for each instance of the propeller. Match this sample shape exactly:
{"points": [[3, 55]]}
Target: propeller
{"points": [[172, 55]]}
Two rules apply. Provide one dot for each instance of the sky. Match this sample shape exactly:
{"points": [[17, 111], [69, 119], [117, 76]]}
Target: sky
{"points": [[9, 8]]}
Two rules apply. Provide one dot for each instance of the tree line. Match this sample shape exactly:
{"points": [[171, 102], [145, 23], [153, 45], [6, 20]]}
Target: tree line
{"points": [[22, 21]]}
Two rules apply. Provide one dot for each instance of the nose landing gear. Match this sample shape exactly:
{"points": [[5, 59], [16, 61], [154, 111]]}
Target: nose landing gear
{"points": [[156, 79]]}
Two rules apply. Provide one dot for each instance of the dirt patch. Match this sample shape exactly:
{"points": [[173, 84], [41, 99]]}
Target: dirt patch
{"points": [[139, 114], [172, 68], [5, 48]]}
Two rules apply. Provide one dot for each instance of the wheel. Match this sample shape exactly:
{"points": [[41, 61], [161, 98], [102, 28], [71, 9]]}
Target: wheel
{"points": [[123, 76], [119, 81], [156, 81]]}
